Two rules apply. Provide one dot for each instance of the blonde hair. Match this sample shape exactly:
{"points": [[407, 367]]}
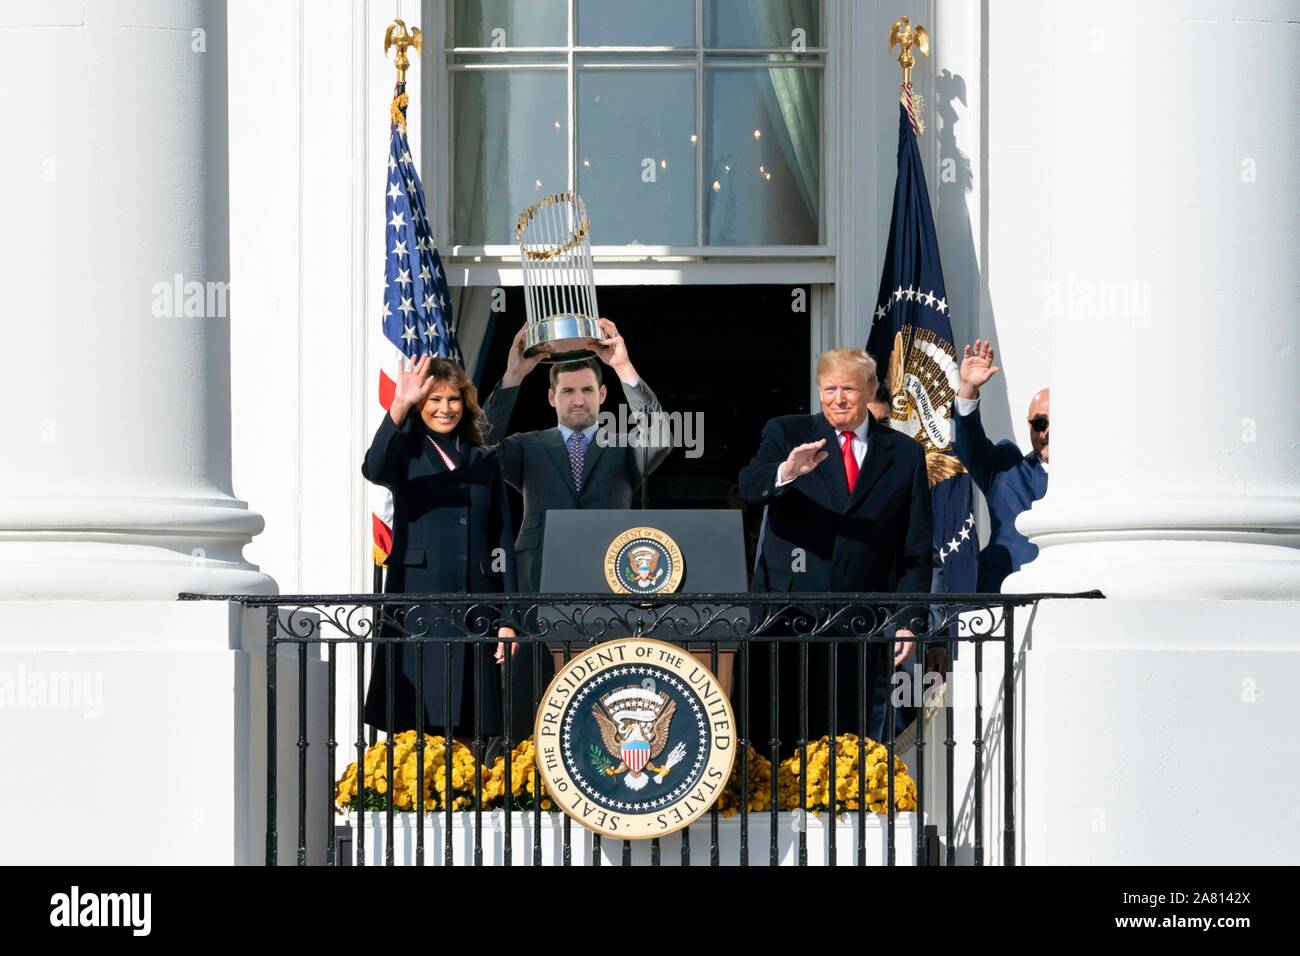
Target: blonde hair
{"points": [[856, 361]]}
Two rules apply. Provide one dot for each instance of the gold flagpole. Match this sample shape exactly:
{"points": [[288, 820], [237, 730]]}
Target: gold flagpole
{"points": [[903, 35], [397, 35]]}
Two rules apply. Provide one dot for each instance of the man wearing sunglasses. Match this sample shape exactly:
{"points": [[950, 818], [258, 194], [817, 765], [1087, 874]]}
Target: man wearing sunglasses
{"points": [[1010, 480]]}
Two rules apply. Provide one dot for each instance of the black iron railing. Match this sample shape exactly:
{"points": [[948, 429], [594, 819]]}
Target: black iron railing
{"points": [[741, 624]]}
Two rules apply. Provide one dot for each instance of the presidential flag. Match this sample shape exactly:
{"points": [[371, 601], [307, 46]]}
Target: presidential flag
{"points": [[911, 341], [416, 316]]}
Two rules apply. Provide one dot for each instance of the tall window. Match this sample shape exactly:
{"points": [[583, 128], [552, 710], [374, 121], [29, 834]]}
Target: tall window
{"points": [[691, 124]]}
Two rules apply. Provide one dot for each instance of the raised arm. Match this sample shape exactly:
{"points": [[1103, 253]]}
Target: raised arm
{"points": [[641, 401], [501, 403], [385, 461], [497, 410], [777, 462], [978, 455]]}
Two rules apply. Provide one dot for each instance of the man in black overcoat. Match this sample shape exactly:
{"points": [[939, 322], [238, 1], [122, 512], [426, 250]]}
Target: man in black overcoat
{"points": [[848, 510]]}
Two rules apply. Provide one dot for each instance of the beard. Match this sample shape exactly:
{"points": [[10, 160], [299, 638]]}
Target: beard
{"points": [[579, 420]]}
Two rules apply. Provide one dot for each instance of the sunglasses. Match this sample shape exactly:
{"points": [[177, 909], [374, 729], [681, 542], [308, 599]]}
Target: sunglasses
{"points": [[1038, 423]]}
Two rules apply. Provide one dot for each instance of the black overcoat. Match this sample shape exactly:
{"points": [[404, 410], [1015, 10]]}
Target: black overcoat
{"points": [[821, 537], [451, 534]]}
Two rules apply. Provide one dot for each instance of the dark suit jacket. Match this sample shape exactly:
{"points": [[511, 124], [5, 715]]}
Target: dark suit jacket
{"points": [[877, 539], [819, 537], [446, 527], [536, 464], [1011, 482]]}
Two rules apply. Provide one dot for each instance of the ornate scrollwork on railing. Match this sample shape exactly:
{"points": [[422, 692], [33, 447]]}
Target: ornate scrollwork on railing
{"points": [[590, 619], [974, 621], [322, 622]]}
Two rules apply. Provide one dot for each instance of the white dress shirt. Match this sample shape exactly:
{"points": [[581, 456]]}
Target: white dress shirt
{"points": [[859, 440], [587, 433]]}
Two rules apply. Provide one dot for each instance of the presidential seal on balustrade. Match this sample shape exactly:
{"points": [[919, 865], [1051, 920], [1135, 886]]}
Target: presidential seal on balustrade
{"points": [[635, 738], [643, 561]]}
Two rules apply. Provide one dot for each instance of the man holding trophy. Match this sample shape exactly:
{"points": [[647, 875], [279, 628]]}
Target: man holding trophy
{"points": [[571, 465]]}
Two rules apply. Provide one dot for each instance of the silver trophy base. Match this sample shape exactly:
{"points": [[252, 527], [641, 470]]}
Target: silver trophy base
{"points": [[569, 337]]}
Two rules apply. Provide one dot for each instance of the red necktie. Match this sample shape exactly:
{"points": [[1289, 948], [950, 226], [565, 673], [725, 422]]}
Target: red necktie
{"points": [[850, 460]]}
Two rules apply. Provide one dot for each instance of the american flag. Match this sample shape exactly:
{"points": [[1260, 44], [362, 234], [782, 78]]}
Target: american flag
{"points": [[416, 317]]}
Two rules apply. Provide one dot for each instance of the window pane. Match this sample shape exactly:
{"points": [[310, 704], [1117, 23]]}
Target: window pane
{"points": [[762, 23], [762, 157], [636, 158], [511, 149], [636, 23], [535, 23]]}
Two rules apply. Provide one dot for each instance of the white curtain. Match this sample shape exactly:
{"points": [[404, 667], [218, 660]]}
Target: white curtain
{"points": [[794, 95]]}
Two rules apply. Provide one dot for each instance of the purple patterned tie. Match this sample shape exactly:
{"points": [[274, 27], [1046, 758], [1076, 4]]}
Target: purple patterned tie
{"points": [[577, 452]]}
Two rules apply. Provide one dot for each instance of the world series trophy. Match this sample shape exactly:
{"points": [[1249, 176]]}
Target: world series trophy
{"points": [[559, 280]]}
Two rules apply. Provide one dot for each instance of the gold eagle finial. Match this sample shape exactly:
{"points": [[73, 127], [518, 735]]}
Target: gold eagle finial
{"points": [[397, 35], [906, 36]]}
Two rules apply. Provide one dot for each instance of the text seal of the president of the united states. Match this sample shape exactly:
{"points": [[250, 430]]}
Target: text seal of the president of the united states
{"points": [[635, 738]]}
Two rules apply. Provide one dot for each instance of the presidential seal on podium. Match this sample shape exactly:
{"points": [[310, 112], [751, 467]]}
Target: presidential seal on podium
{"points": [[643, 561], [635, 738]]}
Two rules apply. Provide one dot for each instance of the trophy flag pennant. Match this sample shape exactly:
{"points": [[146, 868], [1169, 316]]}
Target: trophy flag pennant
{"points": [[416, 318], [912, 343]]}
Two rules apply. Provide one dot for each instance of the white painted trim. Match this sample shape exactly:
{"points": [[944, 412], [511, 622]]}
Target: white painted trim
{"points": [[683, 50], [507, 273], [361, 359], [846, 144], [828, 103], [435, 113], [821, 332], [298, 456], [646, 253]]}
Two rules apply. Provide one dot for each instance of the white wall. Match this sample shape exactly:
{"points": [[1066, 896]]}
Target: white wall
{"points": [[297, 352]]}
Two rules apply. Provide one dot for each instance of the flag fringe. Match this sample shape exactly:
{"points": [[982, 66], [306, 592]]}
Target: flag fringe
{"points": [[914, 103], [398, 109]]}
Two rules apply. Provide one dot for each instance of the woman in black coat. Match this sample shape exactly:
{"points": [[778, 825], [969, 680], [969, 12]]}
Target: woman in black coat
{"points": [[451, 534]]}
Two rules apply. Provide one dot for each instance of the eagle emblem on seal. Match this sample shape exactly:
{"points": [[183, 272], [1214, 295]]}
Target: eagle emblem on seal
{"points": [[634, 727]]}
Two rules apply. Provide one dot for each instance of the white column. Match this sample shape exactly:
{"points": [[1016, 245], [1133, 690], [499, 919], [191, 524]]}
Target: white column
{"points": [[1173, 296], [1158, 723], [114, 270]]}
